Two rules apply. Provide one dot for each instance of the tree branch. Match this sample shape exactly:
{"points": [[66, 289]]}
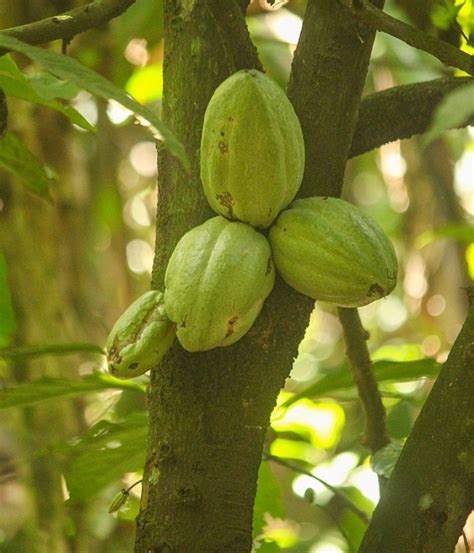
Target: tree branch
{"points": [[326, 81], [209, 411], [355, 337], [67, 25], [431, 491], [400, 112], [375, 18]]}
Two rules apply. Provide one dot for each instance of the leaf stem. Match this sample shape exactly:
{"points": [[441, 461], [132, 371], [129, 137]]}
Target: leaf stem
{"points": [[344, 499]]}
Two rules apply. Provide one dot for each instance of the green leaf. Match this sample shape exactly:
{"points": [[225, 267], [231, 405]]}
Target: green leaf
{"points": [[444, 15], [40, 90], [460, 232], [7, 315], [104, 454], [68, 68], [25, 352], [267, 500], [384, 370], [400, 420], [49, 87], [44, 389], [17, 158], [453, 111], [384, 460]]}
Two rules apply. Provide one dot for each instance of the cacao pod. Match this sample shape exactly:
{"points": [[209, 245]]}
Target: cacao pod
{"points": [[252, 150], [140, 337], [216, 282], [331, 251]]}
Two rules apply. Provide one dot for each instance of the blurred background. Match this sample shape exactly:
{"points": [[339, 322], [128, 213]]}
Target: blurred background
{"points": [[76, 248]]}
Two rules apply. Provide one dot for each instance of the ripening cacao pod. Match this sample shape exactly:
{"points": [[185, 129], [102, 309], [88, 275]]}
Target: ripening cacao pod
{"points": [[140, 337], [331, 251], [216, 282], [252, 150]]}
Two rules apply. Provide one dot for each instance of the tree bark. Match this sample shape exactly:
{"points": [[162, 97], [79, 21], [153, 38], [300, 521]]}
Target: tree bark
{"points": [[209, 411], [431, 490], [328, 74], [400, 112]]}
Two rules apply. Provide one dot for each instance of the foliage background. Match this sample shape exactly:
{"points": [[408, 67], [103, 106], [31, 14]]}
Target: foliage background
{"points": [[77, 205]]}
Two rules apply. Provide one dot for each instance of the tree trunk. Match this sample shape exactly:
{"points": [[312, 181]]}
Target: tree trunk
{"points": [[209, 411]]}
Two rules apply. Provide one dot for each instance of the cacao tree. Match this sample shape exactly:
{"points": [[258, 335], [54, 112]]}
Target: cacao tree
{"points": [[209, 411]]}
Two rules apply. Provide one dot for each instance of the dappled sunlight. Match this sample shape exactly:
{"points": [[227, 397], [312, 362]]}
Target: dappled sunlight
{"points": [[117, 113], [365, 479], [86, 105], [393, 168], [146, 83], [391, 314], [136, 52], [464, 179], [400, 351], [136, 212], [334, 471], [320, 423], [329, 545], [143, 158], [470, 259], [139, 256]]}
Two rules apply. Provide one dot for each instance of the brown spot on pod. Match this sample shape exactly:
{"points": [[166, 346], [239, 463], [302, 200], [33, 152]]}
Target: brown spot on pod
{"points": [[376, 291], [230, 326], [227, 201]]}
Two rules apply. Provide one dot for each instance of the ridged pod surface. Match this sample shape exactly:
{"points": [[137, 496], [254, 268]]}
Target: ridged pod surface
{"points": [[252, 149], [216, 282], [329, 250], [140, 337]]}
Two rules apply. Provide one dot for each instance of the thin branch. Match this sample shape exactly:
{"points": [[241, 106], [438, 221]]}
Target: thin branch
{"points": [[355, 337], [67, 25], [344, 500], [400, 112], [375, 18]]}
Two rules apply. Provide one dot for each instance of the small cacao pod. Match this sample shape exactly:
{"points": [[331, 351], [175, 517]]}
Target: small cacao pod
{"points": [[331, 251], [216, 282], [252, 149], [140, 337]]}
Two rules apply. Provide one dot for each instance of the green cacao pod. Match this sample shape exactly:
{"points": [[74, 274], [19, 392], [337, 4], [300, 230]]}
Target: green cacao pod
{"points": [[331, 251], [216, 282], [252, 150], [140, 337]]}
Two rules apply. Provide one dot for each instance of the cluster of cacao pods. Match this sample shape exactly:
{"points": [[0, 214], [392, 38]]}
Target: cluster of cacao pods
{"points": [[221, 272]]}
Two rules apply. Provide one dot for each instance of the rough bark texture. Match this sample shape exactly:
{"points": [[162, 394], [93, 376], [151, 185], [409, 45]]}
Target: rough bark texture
{"points": [[400, 112], [209, 412], [328, 75], [431, 490]]}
